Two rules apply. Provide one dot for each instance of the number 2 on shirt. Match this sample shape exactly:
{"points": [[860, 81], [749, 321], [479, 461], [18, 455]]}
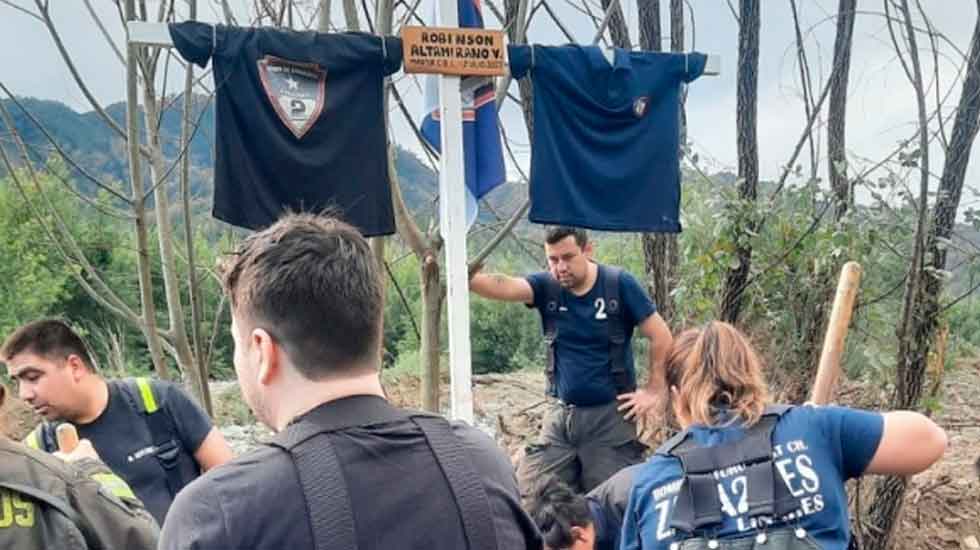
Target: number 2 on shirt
{"points": [[600, 309]]}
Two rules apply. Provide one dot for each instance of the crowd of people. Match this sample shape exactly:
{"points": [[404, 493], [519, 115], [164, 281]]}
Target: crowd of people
{"points": [[347, 470]]}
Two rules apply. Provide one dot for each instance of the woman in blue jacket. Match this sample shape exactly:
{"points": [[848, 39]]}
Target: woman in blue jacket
{"points": [[744, 473]]}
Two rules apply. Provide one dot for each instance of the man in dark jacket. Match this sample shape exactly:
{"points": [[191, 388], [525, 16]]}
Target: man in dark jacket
{"points": [[347, 469]]}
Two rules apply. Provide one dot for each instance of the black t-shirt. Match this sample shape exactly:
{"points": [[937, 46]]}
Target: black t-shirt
{"points": [[398, 495], [607, 502], [299, 122], [124, 442]]}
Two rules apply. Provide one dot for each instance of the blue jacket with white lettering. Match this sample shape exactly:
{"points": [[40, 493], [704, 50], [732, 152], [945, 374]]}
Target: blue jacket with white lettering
{"points": [[809, 453]]}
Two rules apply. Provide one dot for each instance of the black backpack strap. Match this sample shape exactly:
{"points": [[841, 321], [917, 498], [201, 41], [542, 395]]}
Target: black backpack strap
{"points": [[549, 323], [325, 489], [320, 475], [617, 329], [471, 497], [142, 396], [698, 503]]}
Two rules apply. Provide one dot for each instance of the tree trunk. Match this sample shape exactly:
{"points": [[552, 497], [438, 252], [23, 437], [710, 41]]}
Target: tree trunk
{"points": [[168, 264], [836, 116], [648, 12], [323, 22], [617, 24], [350, 13], [149, 327], [812, 319], [748, 156], [660, 249], [194, 290], [383, 19], [433, 294], [926, 308]]}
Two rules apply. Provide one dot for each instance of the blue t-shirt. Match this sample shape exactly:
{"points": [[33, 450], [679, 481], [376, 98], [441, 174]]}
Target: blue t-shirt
{"points": [[809, 453], [606, 136], [582, 363]]}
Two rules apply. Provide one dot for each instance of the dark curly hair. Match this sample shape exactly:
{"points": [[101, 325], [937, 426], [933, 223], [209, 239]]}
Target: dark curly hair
{"points": [[555, 509]]}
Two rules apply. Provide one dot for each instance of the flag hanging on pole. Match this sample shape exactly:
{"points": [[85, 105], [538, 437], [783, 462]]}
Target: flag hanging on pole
{"points": [[482, 152]]}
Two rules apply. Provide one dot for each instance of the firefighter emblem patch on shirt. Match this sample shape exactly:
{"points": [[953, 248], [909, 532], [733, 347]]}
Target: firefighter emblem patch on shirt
{"points": [[296, 91]]}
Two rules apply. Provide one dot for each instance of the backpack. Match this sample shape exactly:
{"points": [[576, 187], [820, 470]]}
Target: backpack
{"points": [[141, 395], [325, 490], [698, 510], [616, 328]]}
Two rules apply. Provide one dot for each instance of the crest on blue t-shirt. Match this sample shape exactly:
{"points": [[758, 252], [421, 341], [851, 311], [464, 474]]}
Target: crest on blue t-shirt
{"points": [[640, 106], [296, 91]]}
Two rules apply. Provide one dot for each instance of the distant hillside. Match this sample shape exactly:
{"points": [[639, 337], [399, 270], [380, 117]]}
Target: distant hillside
{"points": [[99, 149]]}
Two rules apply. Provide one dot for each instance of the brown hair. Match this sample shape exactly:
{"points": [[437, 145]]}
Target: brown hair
{"points": [[312, 282], [714, 367], [49, 338], [555, 234]]}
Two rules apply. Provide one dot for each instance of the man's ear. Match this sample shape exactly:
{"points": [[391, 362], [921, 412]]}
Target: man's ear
{"points": [[270, 356], [588, 249], [579, 534], [77, 366]]}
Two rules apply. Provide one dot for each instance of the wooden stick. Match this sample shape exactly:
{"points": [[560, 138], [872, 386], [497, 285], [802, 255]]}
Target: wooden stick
{"points": [[833, 343], [67, 437]]}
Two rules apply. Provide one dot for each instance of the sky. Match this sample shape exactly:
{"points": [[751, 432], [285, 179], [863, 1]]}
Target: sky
{"points": [[881, 102]]}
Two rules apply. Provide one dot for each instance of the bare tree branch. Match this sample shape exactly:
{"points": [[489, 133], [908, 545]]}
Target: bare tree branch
{"points": [[23, 10]]}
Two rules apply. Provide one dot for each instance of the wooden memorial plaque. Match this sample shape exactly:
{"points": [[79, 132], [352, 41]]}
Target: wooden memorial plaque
{"points": [[462, 52]]}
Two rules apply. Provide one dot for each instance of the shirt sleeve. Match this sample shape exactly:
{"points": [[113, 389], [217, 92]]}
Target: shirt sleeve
{"points": [[112, 521], [537, 282], [519, 57], [856, 431], [191, 422], [194, 41], [638, 304], [195, 520]]}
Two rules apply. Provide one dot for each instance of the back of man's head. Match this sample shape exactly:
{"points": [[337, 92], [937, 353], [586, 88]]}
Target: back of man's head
{"points": [[50, 338], [313, 284], [560, 514]]}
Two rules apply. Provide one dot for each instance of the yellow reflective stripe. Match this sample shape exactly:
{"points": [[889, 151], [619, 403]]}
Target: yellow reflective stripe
{"points": [[149, 402], [32, 441], [115, 485]]}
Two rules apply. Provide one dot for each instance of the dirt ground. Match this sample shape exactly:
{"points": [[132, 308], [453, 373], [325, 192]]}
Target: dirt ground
{"points": [[942, 506]]}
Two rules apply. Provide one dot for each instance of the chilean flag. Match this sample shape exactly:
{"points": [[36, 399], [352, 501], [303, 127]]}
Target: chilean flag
{"points": [[482, 152]]}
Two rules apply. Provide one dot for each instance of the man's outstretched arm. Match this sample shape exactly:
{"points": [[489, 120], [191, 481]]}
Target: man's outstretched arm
{"points": [[495, 286]]}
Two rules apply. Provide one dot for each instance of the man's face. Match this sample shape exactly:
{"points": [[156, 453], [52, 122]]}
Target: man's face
{"points": [[569, 262], [49, 386], [246, 360]]}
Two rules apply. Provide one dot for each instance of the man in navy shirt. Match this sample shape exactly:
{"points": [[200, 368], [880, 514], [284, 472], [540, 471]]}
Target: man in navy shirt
{"points": [[588, 312]]}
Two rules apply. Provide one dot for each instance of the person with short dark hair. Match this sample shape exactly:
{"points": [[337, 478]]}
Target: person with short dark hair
{"points": [[76, 502], [588, 314], [149, 432], [745, 473], [346, 469], [572, 521]]}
